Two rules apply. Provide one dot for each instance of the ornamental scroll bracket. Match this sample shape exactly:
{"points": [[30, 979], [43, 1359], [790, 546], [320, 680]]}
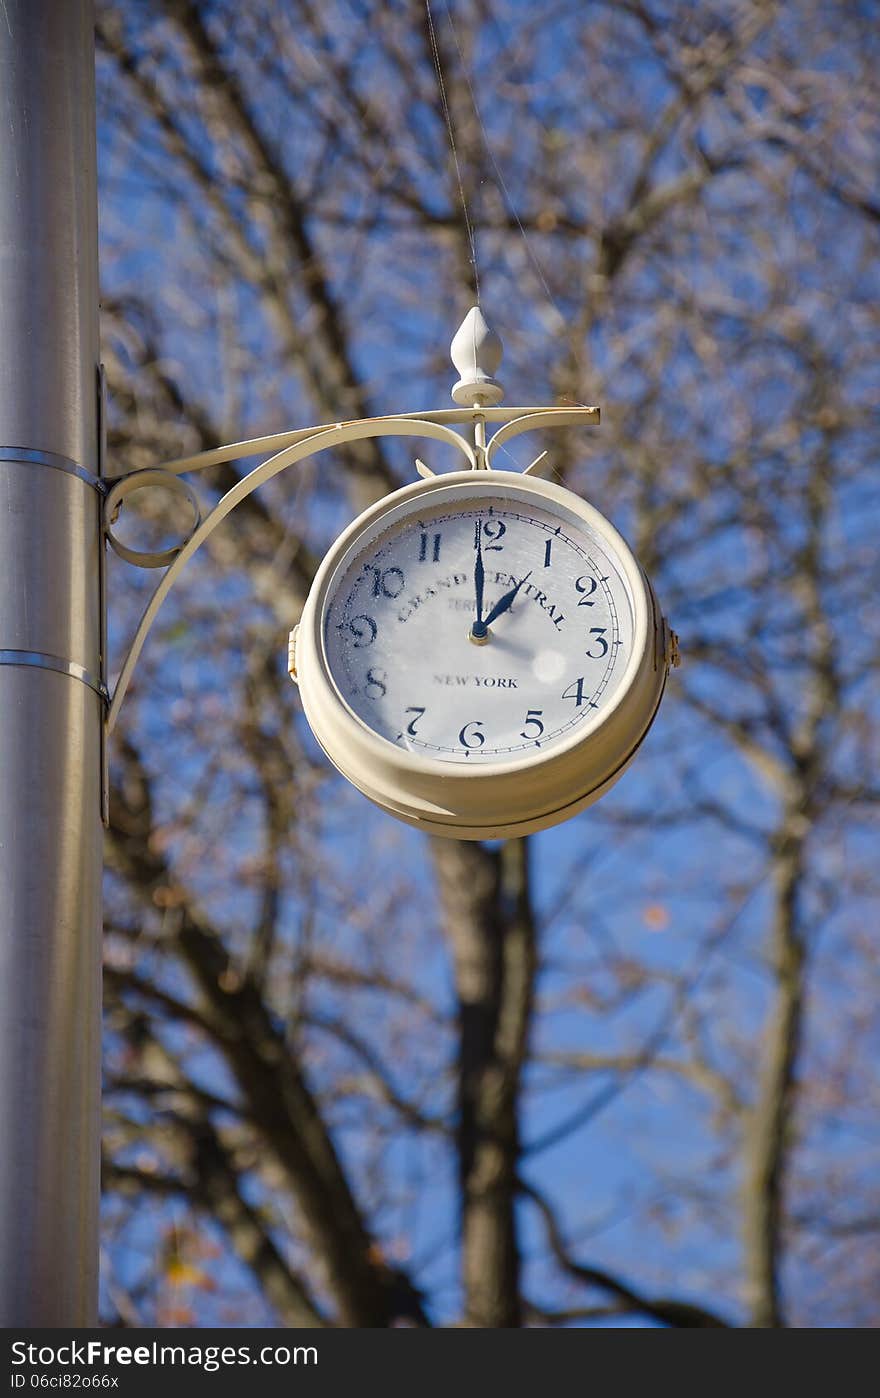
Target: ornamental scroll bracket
{"points": [[476, 355]]}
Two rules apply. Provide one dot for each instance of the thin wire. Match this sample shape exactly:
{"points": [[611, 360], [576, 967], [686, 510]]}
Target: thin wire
{"points": [[511, 207], [448, 115], [505, 192]]}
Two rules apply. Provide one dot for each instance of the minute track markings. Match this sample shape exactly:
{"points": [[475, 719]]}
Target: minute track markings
{"points": [[371, 573]]}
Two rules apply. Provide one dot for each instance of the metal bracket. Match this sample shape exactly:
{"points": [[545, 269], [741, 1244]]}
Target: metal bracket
{"points": [[102, 592], [476, 354], [140, 480], [294, 447]]}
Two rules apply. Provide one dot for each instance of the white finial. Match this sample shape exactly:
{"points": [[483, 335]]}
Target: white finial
{"points": [[476, 353]]}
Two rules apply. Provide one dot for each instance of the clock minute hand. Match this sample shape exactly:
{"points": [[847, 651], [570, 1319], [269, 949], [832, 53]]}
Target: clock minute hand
{"points": [[506, 602], [478, 630]]}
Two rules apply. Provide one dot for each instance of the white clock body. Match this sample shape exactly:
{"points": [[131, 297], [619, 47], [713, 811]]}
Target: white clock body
{"points": [[481, 654]]}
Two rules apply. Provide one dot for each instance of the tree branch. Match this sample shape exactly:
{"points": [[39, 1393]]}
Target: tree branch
{"points": [[489, 921]]}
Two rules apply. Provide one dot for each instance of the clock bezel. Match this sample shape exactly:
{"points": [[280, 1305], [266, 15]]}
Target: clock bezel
{"points": [[489, 800]]}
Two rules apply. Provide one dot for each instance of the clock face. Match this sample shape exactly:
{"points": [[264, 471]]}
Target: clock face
{"points": [[483, 629]]}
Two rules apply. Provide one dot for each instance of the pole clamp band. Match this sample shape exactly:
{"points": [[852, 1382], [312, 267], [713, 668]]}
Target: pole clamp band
{"points": [[29, 457], [42, 661]]}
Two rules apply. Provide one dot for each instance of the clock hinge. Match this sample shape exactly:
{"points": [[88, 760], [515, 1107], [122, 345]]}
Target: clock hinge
{"points": [[671, 647]]}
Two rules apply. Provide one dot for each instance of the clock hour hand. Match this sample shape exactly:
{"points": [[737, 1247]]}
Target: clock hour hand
{"points": [[506, 602], [478, 630]]}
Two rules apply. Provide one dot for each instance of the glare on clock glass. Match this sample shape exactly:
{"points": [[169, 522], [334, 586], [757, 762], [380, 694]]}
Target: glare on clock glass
{"points": [[482, 631]]}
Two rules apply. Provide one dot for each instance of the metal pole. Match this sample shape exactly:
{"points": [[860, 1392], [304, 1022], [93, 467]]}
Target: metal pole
{"points": [[50, 661]]}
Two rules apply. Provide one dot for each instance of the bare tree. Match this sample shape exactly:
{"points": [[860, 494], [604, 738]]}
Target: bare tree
{"points": [[622, 1069]]}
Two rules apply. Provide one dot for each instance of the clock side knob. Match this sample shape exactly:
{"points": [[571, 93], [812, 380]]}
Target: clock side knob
{"points": [[476, 353]]}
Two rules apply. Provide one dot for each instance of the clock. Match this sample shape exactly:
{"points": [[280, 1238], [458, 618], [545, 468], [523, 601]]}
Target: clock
{"points": [[481, 654]]}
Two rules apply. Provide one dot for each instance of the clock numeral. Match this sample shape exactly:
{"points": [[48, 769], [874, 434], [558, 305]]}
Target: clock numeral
{"points": [[494, 529], [476, 739], [533, 720], [423, 548], [588, 586], [375, 684], [547, 547], [411, 726], [387, 583], [575, 691], [599, 633], [363, 628]]}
